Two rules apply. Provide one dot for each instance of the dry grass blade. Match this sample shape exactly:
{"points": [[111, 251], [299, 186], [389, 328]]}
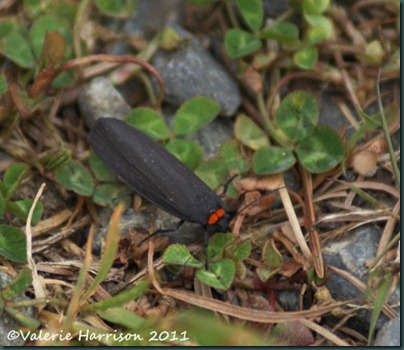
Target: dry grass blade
{"points": [[314, 239], [388, 230], [397, 259], [310, 219], [324, 332], [58, 282], [59, 266], [294, 222], [74, 304], [348, 84], [362, 216], [38, 287], [150, 266], [111, 247], [370, 185], [44, 244], [250, 314], [348, 115], [50, 223], [53, 320], [386, 131]]}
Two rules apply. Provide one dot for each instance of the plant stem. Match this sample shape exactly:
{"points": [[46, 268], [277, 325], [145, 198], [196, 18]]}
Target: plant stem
{"points": [[386, 131]]}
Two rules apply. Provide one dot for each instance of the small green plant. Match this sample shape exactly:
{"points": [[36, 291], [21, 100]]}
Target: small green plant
{"points": [[35, 49], [377, 291], [13, 244], [225, 260], [296, 130], [317, 27], [9, 303], [12, 179], [116, 8], [12, 239]]}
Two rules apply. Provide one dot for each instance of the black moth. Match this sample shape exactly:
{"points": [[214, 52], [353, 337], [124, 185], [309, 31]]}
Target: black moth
{"points": [[154, 173]]}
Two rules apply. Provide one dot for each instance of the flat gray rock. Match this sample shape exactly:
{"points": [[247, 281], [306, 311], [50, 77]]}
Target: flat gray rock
{"points": [[191, 71]]}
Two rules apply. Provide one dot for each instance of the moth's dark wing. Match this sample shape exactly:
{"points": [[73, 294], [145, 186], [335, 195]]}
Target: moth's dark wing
{"points": [[151, 171]]}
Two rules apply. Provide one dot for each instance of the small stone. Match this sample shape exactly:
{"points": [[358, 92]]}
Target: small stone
{"points": [[100, 99], [191, 71]]}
